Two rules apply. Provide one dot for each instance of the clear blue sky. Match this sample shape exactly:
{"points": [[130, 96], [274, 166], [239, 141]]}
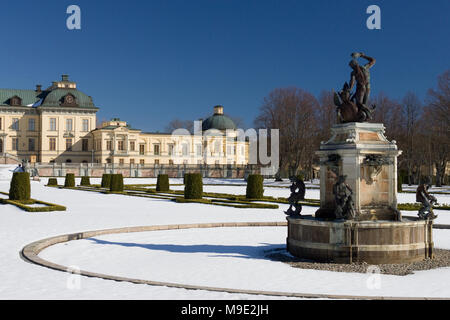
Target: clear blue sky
{"points": [[149, 62]]}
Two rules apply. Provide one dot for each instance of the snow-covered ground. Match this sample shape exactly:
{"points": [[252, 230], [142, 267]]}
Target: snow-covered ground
{"points": [[228, 257], [233, 258]]}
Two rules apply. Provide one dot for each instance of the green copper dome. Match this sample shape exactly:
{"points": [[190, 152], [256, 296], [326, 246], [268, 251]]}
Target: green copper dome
{"points": [[54, 98], [218, 121]]}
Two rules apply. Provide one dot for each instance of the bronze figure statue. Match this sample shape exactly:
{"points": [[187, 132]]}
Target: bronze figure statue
{"points": [[427, 201], [343, 195], [353, 108], [298, 191]]}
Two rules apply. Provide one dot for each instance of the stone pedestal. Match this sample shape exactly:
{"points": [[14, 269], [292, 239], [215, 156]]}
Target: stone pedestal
{"points": [[369, 160], [374, 242]]}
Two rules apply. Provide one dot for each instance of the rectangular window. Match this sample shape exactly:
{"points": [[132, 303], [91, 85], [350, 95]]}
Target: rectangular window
{"points": [[131, 161], [170, 148], [171, 162], [121, 162], [84, 144], [52, 124], [68, 144], [85, 125], [109, 145], [31, 144], [31, 124], [100, 145], [185, 150], [15, 144], [142, 149], [120, 145], [156, 161], [15, 124], [132, 146], [69, 125], [156, 149], [1, 121], [52, 144], [142, 161], [199, 149]]}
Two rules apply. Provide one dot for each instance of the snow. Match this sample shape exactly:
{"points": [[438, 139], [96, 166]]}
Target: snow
{"points": [[232, 258], [6, 172], [228, 257]]}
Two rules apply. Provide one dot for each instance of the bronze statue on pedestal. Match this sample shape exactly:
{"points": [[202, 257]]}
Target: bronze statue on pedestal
{"points": [[353, 108]]}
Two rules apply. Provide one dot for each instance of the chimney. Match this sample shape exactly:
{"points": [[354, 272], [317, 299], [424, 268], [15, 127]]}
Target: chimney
{"points": [[38, 88], [218, 110], [65, 77]]}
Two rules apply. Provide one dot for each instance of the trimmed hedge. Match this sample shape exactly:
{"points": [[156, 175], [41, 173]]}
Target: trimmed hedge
{"points": [[255, 188], [20, 187], [85, 181], [106, 180], [193, 188], [162, 183], [70, 181], [116, 183], [48, 206], [52, 182]]}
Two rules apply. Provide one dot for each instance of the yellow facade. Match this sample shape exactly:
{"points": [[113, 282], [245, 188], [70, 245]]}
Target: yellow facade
{"points": [[59, 125]]}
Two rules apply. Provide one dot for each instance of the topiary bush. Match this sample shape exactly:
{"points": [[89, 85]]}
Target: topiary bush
{"points": [[106, 180], [85, 181], [52, 182], [70, 181], [116, 183], [20, 187], [193, 188], [162, 183], [255, 188]]}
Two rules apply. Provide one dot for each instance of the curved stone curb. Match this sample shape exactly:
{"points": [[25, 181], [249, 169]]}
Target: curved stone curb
{"points": [[31, 254]]}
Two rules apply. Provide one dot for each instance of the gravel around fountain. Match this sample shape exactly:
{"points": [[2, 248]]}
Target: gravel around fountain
{"points": [[441, 260]]}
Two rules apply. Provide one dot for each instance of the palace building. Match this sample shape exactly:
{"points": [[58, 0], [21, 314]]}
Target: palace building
{"points": [[58, 125]]}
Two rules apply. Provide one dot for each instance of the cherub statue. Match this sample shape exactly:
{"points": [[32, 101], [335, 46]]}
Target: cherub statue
{"points": [[298, 190], [343, 195], [427, 201]]}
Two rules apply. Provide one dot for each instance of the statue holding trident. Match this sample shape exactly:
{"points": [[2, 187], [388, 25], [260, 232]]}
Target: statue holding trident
{"points": [[353, 108]]}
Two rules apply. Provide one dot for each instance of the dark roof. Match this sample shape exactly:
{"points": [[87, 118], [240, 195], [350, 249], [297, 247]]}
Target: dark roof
{"points": [[46, 98], [54, 97], [29, 97], [219, 122]]}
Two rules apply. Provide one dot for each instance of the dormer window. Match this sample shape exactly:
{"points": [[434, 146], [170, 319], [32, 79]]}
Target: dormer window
{"points": [[69, 100], [15, 101]]}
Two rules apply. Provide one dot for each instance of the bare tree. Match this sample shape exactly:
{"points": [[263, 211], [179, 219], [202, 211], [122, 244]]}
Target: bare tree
{"points": [[436, 119], [293, 112], [412, 108], [180, 124]]}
